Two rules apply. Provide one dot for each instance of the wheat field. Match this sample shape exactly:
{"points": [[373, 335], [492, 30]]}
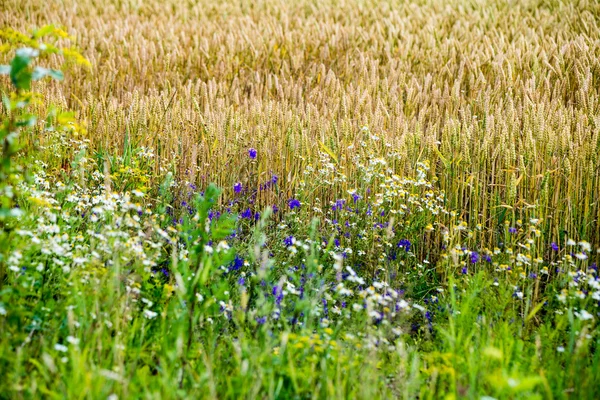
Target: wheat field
{"points": [[501, 97]]}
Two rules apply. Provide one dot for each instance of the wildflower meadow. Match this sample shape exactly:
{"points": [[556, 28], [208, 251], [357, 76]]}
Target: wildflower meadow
{"points": [[353, 199]]}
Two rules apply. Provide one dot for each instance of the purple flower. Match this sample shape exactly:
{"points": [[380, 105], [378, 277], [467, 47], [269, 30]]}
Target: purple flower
{"points": [[241, 281], [404, 244], [246, 214], [554, 246], [275, 208], [355, 197], [274, 179], [278, 293], [236, 264], [464, 270], [512, 229], [474, 257], [288, 241], [237, 187], [252, 153], [293, 203]]}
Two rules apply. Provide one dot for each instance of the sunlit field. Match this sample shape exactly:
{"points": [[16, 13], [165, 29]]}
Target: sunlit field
{"points": [[299, 199]]}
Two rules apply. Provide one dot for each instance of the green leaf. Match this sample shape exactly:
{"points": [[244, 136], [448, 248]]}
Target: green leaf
{"points": [[27, 121], [43, 31], [6, 102], [534, 311], [41, 72], [19, 68]]}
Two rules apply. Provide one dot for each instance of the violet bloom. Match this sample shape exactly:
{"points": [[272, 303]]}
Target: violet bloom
{"points": [[474, 257], [237, 187], [288, 241], [512, 229], [236, 264], [252, 153], [554, 246], [404, 244], [293, 203], [246, 214]]}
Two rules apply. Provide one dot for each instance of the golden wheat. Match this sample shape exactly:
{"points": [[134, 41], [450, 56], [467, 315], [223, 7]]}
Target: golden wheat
{"points": [[501, 97]]}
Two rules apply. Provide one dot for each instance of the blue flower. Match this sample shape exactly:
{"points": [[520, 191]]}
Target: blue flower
{"points": [[404, 244], [429, 316], [252, 153], [474, 257], [293, 203], [278, 293], [274, 179], [554, 246], [288, 241], [246, 214], [236, 264], [512, 230], [237, 187]]}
